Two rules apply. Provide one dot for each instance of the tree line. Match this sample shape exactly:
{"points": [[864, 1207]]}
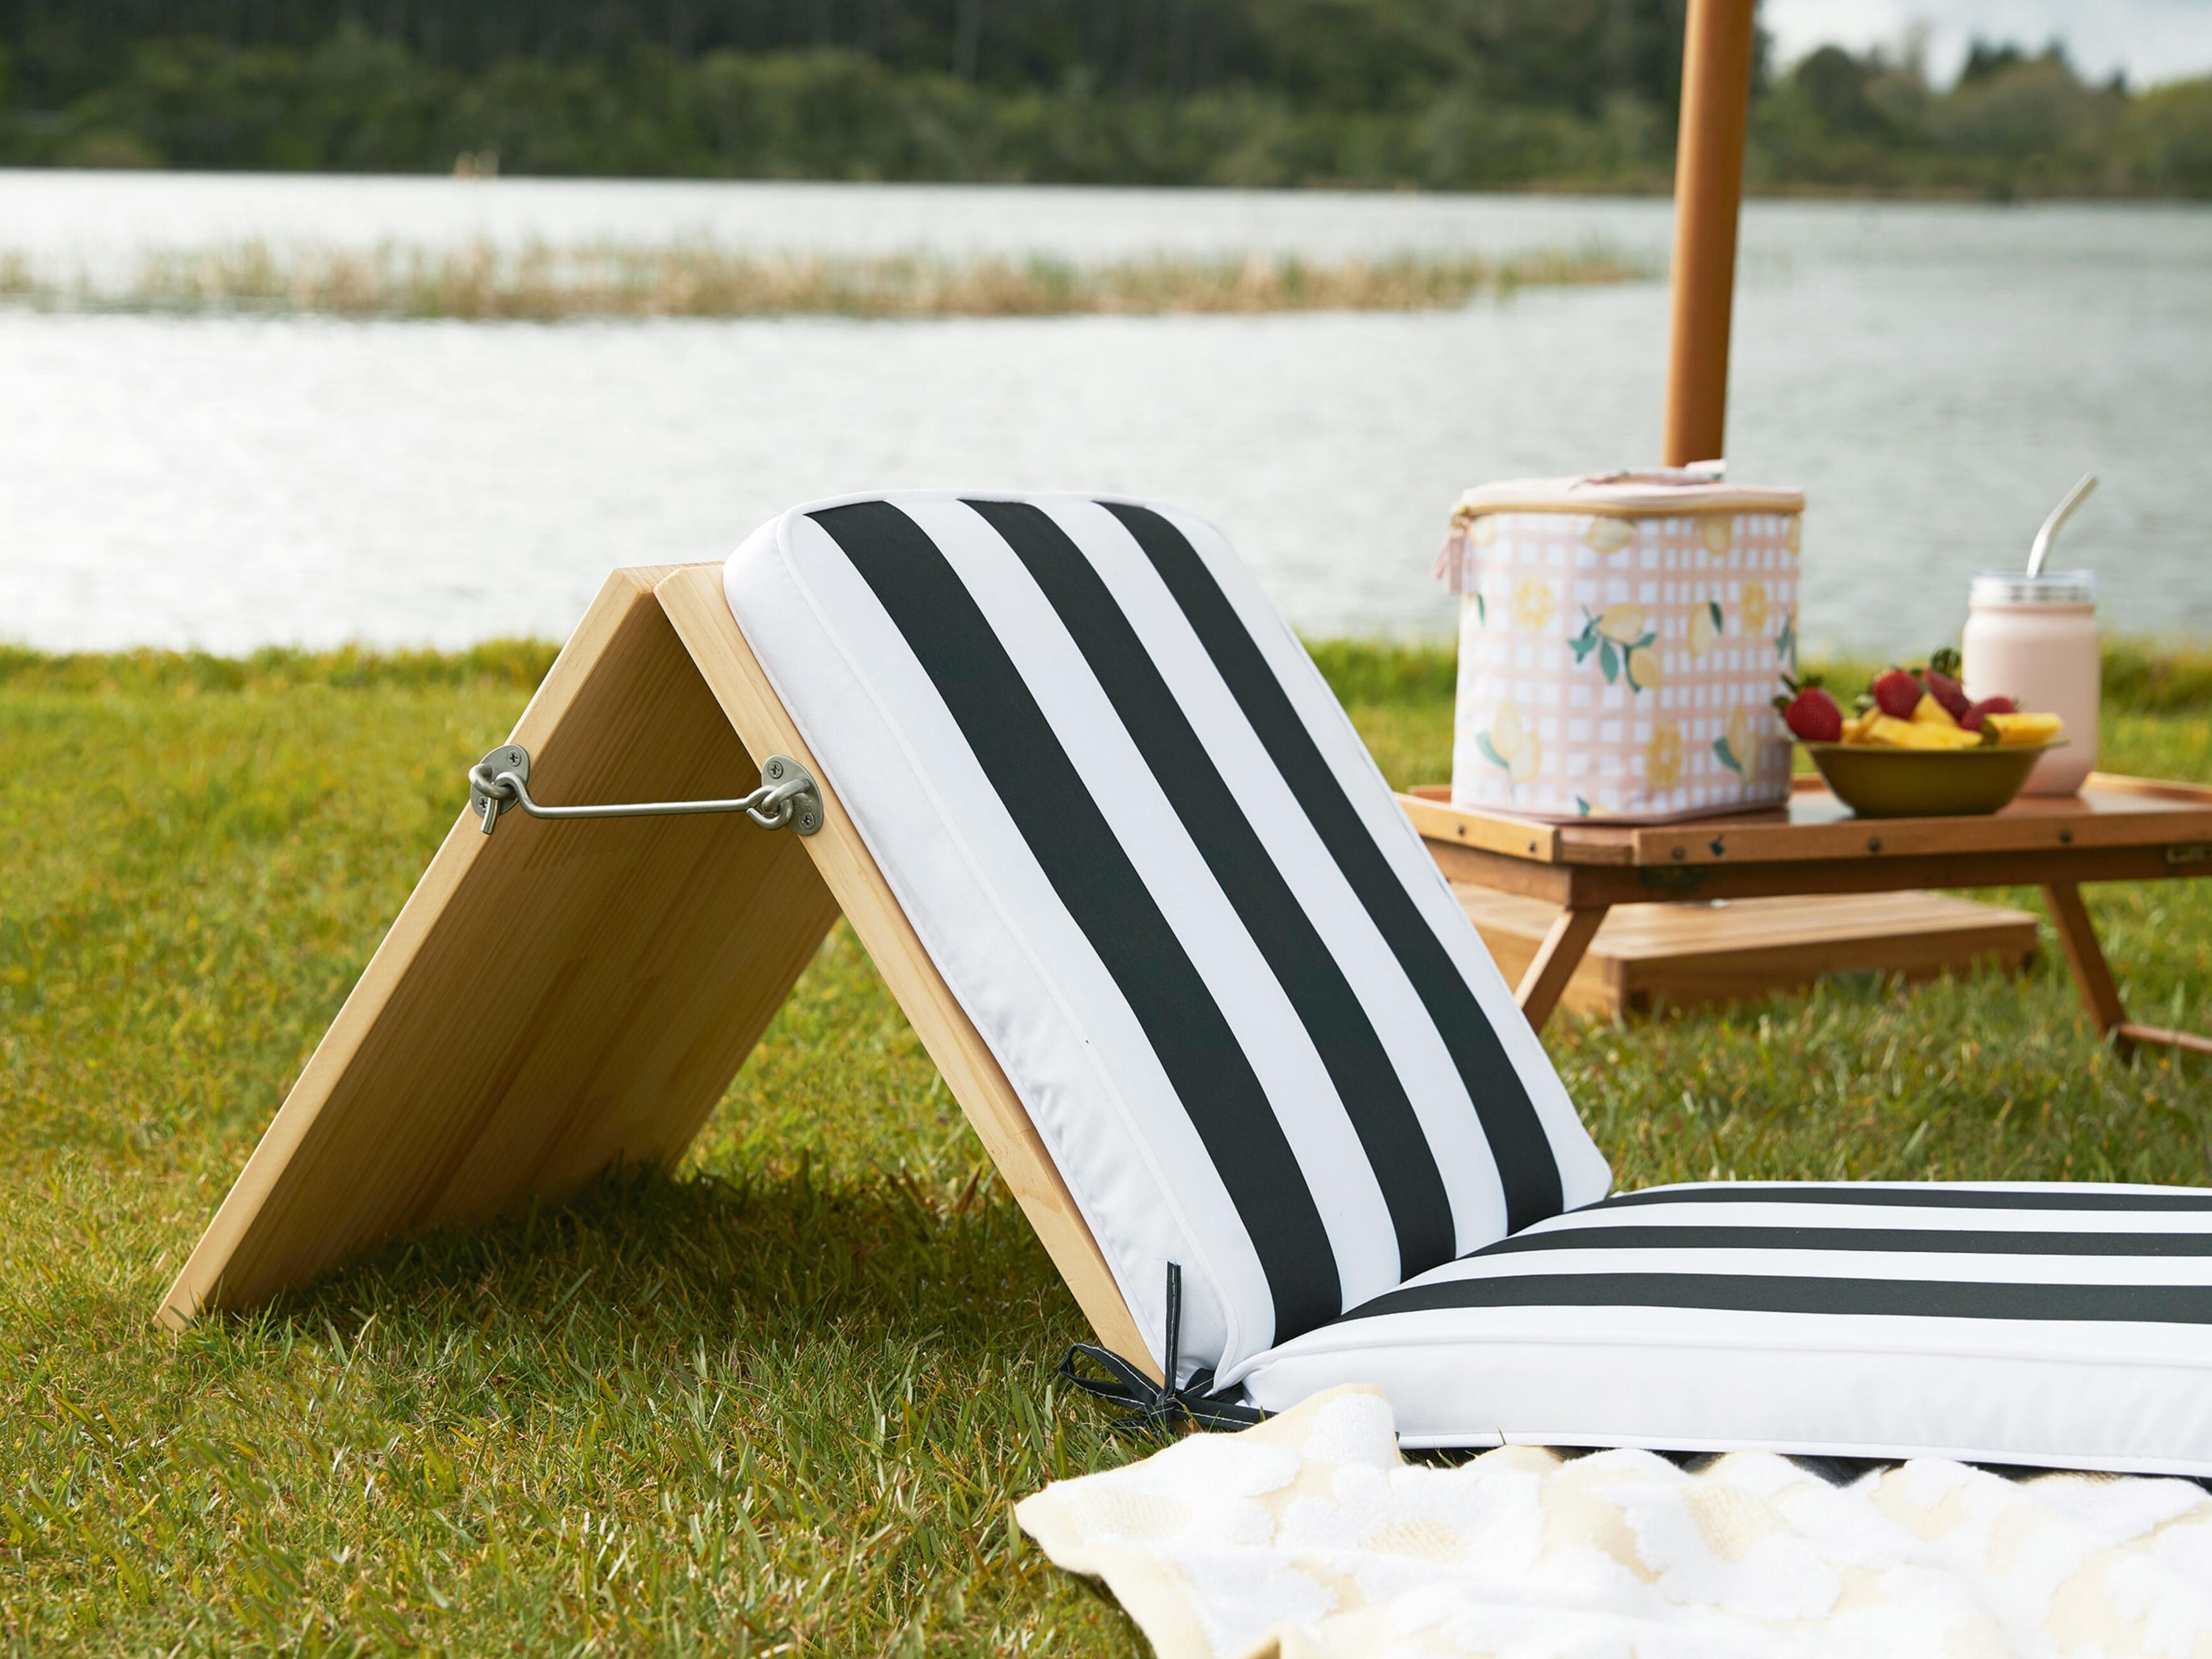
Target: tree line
{"points": [[1435, 94], [1355, 53]]}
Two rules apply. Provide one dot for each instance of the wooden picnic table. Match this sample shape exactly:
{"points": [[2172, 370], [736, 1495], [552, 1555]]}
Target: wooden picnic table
{"points": [[2118, 828]]}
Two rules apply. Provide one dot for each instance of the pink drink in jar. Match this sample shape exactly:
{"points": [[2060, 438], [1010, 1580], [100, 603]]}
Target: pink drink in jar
{"points": [[2034, 639]]}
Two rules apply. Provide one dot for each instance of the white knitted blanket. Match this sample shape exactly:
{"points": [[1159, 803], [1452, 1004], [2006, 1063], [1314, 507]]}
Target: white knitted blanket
{"points": [[1310, 1537]]}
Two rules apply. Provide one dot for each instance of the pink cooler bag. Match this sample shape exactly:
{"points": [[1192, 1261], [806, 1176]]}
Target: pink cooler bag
{"points": [[1621, 638]]}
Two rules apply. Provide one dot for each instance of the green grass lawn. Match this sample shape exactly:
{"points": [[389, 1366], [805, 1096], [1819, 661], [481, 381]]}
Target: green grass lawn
{"points": [[785, 1400]]}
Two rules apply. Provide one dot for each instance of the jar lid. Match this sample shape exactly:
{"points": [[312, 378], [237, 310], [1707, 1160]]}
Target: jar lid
{"points": [[2018, 587]]}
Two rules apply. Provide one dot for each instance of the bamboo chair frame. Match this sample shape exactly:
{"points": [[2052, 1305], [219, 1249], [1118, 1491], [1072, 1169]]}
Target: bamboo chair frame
{"points": [[559, 998]]}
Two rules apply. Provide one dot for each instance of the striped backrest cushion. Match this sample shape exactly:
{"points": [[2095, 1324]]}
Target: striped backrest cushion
{"points": [[1152, 859]]}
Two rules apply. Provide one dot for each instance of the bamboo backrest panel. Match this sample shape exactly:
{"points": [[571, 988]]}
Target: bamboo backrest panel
{"points": [[552, 998], [560, 997]]}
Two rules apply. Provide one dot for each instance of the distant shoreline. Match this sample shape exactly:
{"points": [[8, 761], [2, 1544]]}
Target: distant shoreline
{"points": [[1658, 187], [1373, 93]]}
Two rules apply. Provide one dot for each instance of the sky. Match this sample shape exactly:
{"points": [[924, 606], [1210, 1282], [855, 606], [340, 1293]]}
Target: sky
{"points": [[2150, 40]]}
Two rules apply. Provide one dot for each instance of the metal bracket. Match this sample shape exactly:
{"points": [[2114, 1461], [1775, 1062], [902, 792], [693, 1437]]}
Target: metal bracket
{"points": [[787, 796]]}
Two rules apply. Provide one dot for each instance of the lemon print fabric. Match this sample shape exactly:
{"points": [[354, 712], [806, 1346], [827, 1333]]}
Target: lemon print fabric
{"points": [[1735, 748], [1622, 637], [1511, 743], [1608, 536], [1754, 606], [1535, 604], [1620, 666], [1663, 758], [1706, 626]]}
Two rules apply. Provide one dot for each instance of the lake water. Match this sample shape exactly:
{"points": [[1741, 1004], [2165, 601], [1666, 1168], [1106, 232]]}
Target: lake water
{"points": [[1935, 377]]}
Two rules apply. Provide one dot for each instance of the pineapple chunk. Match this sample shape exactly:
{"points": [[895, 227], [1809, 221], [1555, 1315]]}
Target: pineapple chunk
{"points": [[1928, 712], [1859, 728], [1950, 737], [2018, 731], [1889, 730]]}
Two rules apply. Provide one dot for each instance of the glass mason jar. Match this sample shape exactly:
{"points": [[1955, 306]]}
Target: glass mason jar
{"points": [[2034, 639]]}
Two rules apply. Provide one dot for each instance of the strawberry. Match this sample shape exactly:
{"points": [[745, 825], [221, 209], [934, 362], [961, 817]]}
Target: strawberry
{"points": [[1942, 682], [1897, 693], [1809, 712], [1971, 719], [1953, 695]]}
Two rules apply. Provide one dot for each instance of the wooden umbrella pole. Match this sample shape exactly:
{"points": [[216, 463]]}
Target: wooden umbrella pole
{"points": [[1708, 187]]}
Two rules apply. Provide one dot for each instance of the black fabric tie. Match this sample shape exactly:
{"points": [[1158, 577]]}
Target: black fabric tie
{"points": [[1156, 1408]]}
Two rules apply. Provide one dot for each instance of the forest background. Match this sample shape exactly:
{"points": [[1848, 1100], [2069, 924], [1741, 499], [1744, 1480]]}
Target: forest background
{"points": [[1458, 95]]}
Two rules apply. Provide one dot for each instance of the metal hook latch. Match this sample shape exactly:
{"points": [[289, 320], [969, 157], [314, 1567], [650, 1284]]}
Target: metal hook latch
{"points": [[786, 797]]}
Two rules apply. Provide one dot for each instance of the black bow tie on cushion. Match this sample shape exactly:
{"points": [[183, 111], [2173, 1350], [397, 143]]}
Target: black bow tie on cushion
{"points": [[1155, 1408]]}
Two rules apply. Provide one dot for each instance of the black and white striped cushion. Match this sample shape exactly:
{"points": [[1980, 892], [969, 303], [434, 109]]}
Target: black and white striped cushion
{"points": [[1154, 861], [2058, 1324]]}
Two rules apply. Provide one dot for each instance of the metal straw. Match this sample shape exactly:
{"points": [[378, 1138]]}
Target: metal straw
{"points": [[2059, 514]]}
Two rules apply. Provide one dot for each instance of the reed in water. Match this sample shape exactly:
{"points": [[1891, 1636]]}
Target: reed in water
{"points": [[480, 283]]}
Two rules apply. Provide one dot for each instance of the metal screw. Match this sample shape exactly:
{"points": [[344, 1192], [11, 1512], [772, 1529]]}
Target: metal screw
{"points": [[775, 769]]}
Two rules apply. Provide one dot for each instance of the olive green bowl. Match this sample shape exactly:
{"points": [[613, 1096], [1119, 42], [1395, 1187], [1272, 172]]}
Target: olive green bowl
{"points": [[1876, 781]]}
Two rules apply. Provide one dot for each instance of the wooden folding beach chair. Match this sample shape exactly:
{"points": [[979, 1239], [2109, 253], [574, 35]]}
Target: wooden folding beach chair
{"points": [[549, 1004], [1201, 992]]}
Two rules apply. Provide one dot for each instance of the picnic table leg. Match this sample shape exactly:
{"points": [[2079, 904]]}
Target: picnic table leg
{"points": [[1556, 960], [2092, 975]]}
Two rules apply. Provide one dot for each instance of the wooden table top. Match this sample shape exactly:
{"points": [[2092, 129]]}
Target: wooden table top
{"points": [[2111, 811]]}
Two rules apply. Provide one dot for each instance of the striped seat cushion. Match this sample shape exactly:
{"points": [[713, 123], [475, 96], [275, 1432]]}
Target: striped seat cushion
{"points": [[1155, 863], [2064, 1325]]}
